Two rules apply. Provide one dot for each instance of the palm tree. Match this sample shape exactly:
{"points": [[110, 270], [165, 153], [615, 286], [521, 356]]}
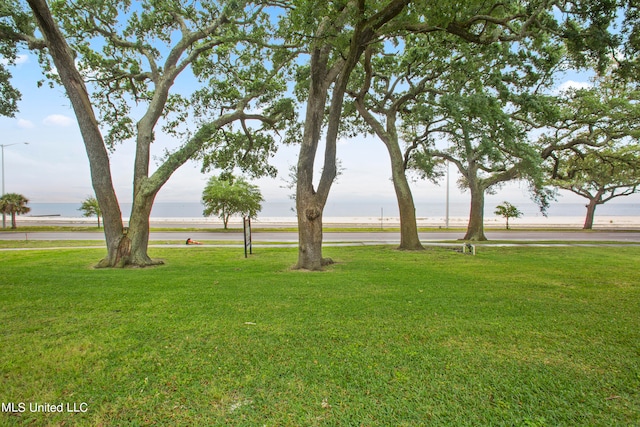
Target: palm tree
{"points": [[90, 207], [14, 204]]}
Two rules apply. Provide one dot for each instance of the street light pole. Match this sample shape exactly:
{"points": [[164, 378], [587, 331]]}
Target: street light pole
{"points": [[447, 198], [4, 216]]}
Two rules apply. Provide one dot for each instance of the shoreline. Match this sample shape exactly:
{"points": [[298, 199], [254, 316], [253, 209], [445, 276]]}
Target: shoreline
{"points": [[604, 222]]}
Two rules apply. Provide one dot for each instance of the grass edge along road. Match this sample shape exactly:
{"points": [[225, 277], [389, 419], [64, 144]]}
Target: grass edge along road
{"points": [[512, 336]]}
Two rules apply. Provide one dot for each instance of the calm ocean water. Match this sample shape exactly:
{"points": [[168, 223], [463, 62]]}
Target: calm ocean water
{"points": [[369, 209]]}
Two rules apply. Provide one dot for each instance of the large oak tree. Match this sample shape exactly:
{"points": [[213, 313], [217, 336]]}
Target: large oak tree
{"points": [[339, 35], [600, 176], [335, 36], [592, 149], [480, 117], [123, 59], [478, 86], [435, 85]]}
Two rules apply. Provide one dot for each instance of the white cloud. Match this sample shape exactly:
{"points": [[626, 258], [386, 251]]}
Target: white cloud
{"points": [[571, 84], [25, 124], [58, 120], [20, 59]]}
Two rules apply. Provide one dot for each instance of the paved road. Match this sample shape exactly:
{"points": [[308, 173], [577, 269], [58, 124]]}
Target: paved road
{"points": [[334, 237]]}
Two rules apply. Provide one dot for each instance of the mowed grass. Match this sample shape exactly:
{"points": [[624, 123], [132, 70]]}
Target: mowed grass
{"points": [[511, 336]]}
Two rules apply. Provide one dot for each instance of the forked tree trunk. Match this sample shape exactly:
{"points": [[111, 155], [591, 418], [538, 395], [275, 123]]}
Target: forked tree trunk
{"points": [[310, 203], [126, 247], [139, 233], [132, 247], [475, 228]]}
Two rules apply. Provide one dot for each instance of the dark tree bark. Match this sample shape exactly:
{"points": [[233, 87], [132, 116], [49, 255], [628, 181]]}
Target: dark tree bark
{"points": [[475, 228], [591, 210], [310, 202], [409, 239]]}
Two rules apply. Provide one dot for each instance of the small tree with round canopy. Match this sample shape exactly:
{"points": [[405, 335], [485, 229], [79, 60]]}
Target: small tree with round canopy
{"points": [[226, 195], [507, 210]]}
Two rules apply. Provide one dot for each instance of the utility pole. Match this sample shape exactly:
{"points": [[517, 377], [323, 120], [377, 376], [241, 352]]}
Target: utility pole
{"points": [[447, 199]]}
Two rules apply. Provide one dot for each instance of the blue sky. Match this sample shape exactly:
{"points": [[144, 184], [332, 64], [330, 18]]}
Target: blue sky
{"points": [[53, 167]]}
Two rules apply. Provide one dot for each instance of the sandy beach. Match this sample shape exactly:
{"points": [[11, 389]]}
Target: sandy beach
{"points": [[603, 222]]}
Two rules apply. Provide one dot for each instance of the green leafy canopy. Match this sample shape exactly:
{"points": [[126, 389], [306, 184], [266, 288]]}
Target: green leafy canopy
{"points": [[226, 195]]}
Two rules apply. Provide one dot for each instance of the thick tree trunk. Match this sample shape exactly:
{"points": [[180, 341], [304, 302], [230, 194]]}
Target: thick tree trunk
{"points": [[139, 235], [409, 239], [310, 237], [309, 202], [591, 212], [475, 228], [134, 243]]}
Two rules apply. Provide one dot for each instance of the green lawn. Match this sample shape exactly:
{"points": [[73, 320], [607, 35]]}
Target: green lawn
{"points": [[511, 336]]}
